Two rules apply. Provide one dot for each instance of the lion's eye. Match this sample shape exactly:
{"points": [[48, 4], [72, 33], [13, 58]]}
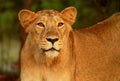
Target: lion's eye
{"points": [[60, 24], [40, 24]]}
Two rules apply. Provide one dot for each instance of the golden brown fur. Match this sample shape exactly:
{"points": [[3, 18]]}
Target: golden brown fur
{"points": [[53, 51]]}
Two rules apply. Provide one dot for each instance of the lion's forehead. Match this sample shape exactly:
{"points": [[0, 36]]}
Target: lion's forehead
{"points": [[48, 12], [49, 15]]}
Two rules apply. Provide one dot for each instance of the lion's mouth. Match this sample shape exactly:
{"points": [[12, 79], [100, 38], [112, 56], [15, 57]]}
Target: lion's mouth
{"points": [[51, 53], [51, 49]]}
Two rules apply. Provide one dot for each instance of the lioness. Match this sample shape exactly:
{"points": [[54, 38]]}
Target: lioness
{"points": [[53, 51]]}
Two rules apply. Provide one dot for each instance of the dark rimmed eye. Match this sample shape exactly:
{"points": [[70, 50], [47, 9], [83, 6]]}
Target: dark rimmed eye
{"points": [[60, 24], [40, 24]]}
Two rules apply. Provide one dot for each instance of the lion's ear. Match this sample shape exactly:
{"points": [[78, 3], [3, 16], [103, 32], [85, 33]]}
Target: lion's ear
{"points": [[69, 14], [26, 17]]}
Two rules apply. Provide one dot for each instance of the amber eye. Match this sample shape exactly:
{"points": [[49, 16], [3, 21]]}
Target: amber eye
{"points": [[40, 24], [60, 24]]}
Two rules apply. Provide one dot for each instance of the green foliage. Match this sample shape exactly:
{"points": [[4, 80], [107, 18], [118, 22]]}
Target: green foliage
{"points": [[7, 21], [8, 16], [56, 4]]}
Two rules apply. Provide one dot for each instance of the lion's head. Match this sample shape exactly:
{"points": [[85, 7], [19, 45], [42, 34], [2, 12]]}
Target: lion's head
{"points": [[49, 29]]}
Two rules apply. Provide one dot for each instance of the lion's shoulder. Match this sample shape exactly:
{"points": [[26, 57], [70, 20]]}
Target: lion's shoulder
{"points": [[100, 32], [107, 26]]}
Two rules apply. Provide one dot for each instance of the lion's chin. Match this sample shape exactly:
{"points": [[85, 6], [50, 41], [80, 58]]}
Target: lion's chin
{"points": [[51, 53]]}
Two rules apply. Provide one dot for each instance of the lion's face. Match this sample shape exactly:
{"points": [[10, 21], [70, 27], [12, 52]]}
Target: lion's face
{"points": [[48, 29]]}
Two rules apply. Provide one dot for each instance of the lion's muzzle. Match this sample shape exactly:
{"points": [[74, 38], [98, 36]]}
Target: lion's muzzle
{"points": [[51, 46]]}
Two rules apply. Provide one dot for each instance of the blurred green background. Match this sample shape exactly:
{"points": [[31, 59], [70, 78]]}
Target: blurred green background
{"points": [[12, 35]]}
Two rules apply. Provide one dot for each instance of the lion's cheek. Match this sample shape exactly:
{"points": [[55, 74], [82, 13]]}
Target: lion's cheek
{"points": [[45, 46], [58, 45]]}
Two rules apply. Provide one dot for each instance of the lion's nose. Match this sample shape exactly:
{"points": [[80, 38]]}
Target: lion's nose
{"points": [[52, 40]]}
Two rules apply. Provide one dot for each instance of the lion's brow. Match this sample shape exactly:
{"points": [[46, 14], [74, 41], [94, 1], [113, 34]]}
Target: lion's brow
{"points": [[49, 12]]}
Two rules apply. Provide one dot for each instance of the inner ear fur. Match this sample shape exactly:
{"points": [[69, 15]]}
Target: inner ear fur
{"points": [[26, 17], [69, 14]]}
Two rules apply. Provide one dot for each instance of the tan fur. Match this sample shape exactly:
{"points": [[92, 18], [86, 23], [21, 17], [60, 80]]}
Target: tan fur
{"points": [[89, 54]]}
